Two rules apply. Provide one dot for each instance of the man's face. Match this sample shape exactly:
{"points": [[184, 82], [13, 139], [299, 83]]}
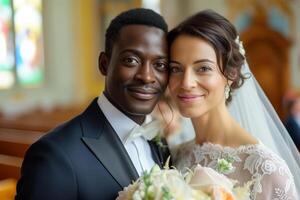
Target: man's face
{"points": [[137, 72]]}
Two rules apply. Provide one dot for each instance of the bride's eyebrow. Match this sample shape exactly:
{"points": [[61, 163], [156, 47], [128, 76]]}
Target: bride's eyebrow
{"points": [[203, 60]]}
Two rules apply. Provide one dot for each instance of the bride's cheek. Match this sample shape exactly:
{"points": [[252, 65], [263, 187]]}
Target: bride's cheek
{"points": [[215, 83]]}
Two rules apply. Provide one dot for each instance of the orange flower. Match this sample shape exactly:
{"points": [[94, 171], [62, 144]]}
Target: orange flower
{"points": [[219, 193]]}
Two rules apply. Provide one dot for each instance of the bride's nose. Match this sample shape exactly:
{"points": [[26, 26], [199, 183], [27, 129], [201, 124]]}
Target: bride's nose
{"points": [[189, 79]]}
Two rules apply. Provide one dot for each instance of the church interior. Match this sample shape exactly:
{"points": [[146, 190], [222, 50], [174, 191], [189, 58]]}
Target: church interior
{"points": [[49, 56]]}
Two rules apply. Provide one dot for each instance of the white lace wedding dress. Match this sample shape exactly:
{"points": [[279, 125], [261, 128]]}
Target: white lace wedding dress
{"points": [[270, 175]]}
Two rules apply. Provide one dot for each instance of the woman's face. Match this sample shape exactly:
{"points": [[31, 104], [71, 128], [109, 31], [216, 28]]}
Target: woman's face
{"points": [[196, 83]]}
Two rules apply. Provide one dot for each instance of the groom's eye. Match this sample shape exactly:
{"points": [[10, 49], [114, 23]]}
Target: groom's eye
{"points": [[161, 66], [130, 61], [175, 69]]}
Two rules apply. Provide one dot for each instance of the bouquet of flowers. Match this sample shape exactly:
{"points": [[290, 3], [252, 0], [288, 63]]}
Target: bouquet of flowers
{"points": [[202, 183]]}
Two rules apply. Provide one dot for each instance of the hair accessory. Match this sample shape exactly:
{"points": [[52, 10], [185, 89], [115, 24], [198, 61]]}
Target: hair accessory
{"points": [[241, 47]]}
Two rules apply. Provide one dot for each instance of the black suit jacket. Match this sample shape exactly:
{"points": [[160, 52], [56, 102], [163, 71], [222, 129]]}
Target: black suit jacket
{"points": [[294, 130], [81, 159]]}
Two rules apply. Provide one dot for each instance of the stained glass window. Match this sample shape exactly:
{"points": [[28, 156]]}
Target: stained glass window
{"points": [[7, 78], [21, 43]]}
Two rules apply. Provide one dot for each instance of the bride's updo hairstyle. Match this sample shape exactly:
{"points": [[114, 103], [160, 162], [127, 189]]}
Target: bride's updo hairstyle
{"points": [[222, 35]]}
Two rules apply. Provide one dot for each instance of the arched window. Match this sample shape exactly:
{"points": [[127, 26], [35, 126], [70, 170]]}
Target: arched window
{"points": [[21, 43]]}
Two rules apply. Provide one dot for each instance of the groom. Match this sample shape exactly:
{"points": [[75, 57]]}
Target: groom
{"points": [[95, 155]]}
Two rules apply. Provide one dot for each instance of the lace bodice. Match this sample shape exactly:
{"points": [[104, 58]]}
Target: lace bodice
{"points": [[270, 176]]}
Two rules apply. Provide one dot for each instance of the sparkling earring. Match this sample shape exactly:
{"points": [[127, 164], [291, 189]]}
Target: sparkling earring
{"points": [[227, 91]]}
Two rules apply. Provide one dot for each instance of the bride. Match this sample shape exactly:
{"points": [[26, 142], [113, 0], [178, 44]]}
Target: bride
{"points": [[237, 131]]}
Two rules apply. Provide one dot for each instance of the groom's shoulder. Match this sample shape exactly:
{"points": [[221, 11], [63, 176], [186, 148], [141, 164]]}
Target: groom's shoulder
{"points": [[68, 129], [61, 140], [73, 126]]}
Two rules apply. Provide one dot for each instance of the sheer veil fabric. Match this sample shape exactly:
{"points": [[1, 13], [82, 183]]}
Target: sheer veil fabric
{"points": [[252, 109]]}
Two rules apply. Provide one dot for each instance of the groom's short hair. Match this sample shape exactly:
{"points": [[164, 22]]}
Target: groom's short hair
{"points": [[137, 16]]}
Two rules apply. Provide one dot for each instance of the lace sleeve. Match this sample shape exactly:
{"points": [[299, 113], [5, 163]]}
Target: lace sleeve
{"points": [[181, 156], [277, 181]]}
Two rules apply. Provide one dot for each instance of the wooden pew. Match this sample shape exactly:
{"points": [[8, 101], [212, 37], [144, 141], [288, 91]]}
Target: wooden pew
{"points": [[13, 145], [17, 134], [7, 189], [10, 166]]}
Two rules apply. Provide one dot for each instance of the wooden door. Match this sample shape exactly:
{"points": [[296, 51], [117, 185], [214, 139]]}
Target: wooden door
{"points": [[267, 54]]}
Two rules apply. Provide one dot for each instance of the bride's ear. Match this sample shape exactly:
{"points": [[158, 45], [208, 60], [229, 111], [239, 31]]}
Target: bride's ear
{"points": [[229, 82]]}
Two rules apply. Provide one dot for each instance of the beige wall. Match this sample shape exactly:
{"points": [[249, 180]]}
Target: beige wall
{"points": [[72, 44], [295, 51]]}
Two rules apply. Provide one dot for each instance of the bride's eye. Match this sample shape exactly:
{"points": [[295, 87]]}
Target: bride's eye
{"points": [[203, 68]]}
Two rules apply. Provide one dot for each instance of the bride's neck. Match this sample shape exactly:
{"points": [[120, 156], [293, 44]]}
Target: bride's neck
{"points": [[215, 126]]}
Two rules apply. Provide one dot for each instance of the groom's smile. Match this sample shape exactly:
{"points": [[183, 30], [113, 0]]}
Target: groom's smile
{"points": [[143, 93]]}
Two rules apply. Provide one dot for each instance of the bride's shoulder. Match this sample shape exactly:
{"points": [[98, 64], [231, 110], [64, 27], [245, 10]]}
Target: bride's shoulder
{"points": [[273, 171], [266, 155]]}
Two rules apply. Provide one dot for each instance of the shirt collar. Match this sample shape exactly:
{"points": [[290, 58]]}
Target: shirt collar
{"points": [[121, 124]]}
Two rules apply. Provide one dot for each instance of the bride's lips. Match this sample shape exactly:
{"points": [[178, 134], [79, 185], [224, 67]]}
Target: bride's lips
{"points": [[187, 98], [143, 94]]}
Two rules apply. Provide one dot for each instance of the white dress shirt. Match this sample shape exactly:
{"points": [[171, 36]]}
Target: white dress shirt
{"points": [[138, 148]]}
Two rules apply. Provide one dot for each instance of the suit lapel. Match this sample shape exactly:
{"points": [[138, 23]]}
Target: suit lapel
{"points": [[160, 154], [104, 143], [156, 154]]}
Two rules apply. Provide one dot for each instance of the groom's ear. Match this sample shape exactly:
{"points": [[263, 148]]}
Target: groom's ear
{"points": [[103, 63]]}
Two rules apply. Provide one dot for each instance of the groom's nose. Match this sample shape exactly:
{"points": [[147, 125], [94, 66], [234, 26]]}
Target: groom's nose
{"points": [[145, 73]]}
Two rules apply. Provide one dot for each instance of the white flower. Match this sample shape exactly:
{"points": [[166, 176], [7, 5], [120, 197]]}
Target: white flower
{"points": [[205, 177], [128, 192], [268, 167], [242, 193], [169, 184], [136, 196], [241, 47]]}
